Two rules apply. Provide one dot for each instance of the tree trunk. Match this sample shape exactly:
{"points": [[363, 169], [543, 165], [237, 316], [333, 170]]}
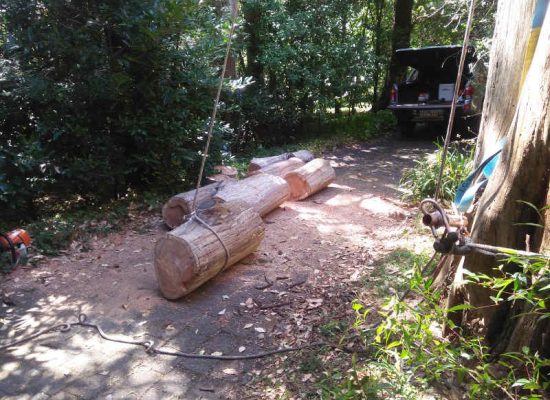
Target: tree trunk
{"points": [[523, 172], [401, 38], [262, 192], [259, 163], [310, 178], [178, 207], [191, 254], [505, 68], [280, 168]]}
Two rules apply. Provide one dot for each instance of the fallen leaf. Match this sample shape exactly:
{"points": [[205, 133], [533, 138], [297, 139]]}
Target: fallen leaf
{"points": [[248, 326], [230, 371], [258, 329], [314, 303]]}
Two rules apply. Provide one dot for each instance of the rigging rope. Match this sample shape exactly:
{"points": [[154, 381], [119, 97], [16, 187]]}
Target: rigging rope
{"points": [[234, 12], [149, 345], [455, 96]]}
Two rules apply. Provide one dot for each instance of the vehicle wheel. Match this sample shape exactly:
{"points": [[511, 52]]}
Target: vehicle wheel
{"points": [[406, 128]]}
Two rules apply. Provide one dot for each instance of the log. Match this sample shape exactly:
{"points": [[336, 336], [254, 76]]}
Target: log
{"points": [[280, 168], [259, 163], [262, 192], [304, 155], [310, 178], [179, 206], [192, 254]]}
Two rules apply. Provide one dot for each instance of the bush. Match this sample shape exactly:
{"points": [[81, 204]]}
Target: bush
{"points": [[420, 181], [105, 96]]}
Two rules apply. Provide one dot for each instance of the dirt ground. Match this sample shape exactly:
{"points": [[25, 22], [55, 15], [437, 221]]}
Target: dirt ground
{"points": [[319, 255]]}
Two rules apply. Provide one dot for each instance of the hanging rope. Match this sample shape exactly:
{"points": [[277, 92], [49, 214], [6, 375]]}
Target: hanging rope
{"points": [[465, 44], [234, 12]]}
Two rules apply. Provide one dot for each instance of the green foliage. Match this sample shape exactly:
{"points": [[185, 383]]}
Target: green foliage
{"points": [[104, 96], [420, 181], [413, 353]]}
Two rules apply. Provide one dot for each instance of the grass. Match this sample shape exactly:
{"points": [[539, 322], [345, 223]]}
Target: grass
{"points": [[420, 181], [393, 272]]}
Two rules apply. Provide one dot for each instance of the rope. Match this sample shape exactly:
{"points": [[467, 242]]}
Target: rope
{"points": [[194, 216], [234, 10], [149, 345], [455, 97], [205, 224]]}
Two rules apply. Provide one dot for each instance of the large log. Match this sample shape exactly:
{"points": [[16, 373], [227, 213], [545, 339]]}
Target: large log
{"points": [[191, 254], [179, 206], [259, 163], [310, 178], [280, 168], [262, 192]]}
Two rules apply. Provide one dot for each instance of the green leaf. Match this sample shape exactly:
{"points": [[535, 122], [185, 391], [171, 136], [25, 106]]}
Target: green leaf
{"points": [[460, 307]]}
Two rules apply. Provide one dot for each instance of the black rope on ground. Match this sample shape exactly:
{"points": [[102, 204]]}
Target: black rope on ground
{"points": [[150, 348]]}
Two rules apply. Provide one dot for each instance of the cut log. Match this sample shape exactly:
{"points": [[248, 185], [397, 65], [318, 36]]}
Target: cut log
{"points": [[191, 254], [179, 206], [304, 155], [280, 168], [259, 163], [262, 192], [310, 178]]}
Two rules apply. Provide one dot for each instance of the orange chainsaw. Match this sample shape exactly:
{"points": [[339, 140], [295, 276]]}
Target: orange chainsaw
{"points": [[16, 243]]}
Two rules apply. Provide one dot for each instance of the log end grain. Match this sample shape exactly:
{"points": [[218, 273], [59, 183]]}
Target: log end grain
{"points": [[175, 265], [173, 213]]}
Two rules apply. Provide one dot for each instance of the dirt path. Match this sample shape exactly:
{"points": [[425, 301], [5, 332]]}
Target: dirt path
{"points": [[318, 254]]}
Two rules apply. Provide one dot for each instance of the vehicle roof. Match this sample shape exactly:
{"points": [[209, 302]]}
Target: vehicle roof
{"points": [[432, 55]]}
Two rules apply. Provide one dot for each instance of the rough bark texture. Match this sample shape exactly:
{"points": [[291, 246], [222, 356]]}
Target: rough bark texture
{"points": [[522, 174], [280, 168], [191, 254], [259, 163], [262, 192], [310, 178], [401, 38], [179, 206], [505, 69]]}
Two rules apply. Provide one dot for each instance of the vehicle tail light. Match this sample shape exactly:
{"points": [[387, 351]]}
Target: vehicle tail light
{"points": [[393, 94], [467, 95]]}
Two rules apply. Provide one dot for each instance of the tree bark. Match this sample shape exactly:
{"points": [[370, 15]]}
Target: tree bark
{"points": [[280, 168], [262, 192], [401, 38], [310, 178], [191, 254], [505, 69], [522, 174], [178, 207], [259, 163]]}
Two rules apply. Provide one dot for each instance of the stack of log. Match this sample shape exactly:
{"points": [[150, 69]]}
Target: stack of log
{"points": [[227, 225]]}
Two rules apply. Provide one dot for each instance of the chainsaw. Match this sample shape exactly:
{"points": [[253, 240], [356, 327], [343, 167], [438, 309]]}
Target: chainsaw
{"points": [[16, 243]]}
